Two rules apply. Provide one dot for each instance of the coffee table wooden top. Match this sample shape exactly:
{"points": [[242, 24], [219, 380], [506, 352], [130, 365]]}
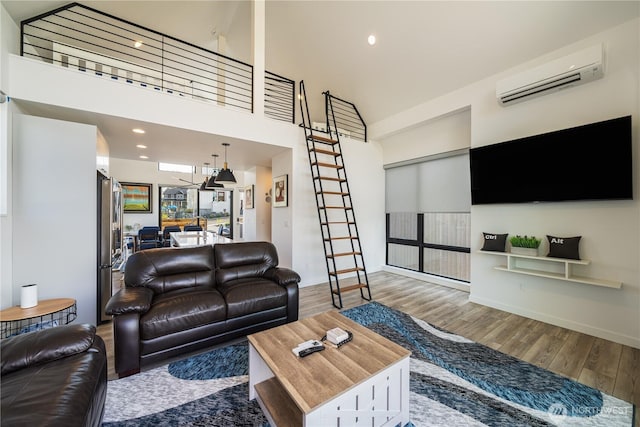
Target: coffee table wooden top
{"points": [[317, 378]]}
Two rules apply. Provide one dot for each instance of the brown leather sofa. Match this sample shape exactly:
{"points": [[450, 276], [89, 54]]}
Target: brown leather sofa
{"points": [[178, 300], [54, 377]]}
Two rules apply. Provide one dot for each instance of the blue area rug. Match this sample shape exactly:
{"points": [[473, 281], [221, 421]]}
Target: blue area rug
{"points": [[454, 382]]}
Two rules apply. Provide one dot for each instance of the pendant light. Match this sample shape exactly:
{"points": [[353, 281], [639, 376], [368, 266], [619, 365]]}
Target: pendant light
{"points": [[225, 176], [211, 183]]}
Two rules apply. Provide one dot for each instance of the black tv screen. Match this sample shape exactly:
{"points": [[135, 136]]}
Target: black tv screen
{"points": [[590, 162]]}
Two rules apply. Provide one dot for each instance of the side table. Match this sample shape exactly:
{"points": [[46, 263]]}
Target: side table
{"points": [[48, 313]]}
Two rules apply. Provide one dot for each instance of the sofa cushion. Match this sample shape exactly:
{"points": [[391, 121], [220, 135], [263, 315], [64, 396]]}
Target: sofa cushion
{"points": [[243, 260], [246, 296], [181, 310], [168, 269]]}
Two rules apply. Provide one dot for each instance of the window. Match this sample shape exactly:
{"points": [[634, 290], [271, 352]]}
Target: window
{"points": [[217, 207], [428, 216], [174, 167], [178, 206], [210, 209], [208, 171]]}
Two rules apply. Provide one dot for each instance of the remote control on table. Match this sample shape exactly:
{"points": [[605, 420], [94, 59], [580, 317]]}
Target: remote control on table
{"points": [[311, 344], [308, 351]]}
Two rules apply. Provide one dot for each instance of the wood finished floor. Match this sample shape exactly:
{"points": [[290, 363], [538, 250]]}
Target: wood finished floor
{"points": [[605, 365]]}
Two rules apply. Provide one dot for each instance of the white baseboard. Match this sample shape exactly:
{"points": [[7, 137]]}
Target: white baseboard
{"points": [[557, 321], [437, 280]]}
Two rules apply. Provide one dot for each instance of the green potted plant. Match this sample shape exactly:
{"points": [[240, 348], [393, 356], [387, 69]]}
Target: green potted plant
{"points": [[524, 245]]}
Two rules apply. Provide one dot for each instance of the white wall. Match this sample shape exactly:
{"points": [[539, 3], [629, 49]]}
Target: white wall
{"points": [[249, 219], [610, 229], [5, 205], [8, 31], [364, 170], [257, 221], [442, 134], [76, 90], [54, 211], [262, 207], [102, 154], [281, 230], [239, 30]]}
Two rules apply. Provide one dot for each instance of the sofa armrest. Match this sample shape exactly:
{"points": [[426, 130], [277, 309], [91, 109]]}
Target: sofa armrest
{"points": [[129, 300], [46, 345], [288, 279], [126, 344], [282, 276]]}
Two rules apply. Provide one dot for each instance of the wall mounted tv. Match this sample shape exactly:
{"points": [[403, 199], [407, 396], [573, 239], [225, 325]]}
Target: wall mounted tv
{"points": [[590, 162]]}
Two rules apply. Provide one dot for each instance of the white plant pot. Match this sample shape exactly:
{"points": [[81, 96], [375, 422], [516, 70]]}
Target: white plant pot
{"points": [[524, 251]]}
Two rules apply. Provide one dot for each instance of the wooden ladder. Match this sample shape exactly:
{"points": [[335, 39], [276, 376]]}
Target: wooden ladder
{"points": [[341, 242]]}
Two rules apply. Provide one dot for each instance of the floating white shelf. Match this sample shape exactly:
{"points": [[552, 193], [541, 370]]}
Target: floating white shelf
{"points": [[565, 275]]}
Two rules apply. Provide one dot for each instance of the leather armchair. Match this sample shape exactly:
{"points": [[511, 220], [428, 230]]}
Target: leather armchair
{"points": [[178, 300], [54, 377]]}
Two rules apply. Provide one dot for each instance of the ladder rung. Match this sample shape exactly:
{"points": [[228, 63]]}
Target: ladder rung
{"points": [[344, 254], [327, 165], [341, 238], [323, 139], [346, 270], [336, 207], [337, 222], [349, 288], [328, 152], [335, 193], [329, 178]]}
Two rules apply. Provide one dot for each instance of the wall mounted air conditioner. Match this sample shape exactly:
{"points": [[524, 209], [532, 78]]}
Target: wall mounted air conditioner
{"points": [[572, 70]]}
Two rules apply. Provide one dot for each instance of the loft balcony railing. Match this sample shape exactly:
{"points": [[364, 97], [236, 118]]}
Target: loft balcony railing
{"points": [[279, 97], [84, 39], [345, 116]]}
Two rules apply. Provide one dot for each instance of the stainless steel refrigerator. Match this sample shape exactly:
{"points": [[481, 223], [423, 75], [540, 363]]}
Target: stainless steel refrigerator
{"points": [[110, 245]]}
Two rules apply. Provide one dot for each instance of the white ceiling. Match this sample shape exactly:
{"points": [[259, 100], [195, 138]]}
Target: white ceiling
{"points": [[425, 48]]}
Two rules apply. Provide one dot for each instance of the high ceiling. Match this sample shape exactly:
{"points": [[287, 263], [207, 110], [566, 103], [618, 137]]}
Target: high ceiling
{"points": [[424, 49]]}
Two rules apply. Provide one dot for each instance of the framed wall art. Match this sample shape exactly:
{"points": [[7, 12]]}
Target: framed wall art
{"points": [[248, 197], [136, 197], [280, 191]]}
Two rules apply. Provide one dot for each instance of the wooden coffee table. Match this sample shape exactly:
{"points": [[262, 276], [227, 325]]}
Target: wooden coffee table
{"points": [[364, 382]]}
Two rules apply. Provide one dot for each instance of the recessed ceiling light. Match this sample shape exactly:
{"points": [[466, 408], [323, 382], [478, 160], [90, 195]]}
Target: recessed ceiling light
{"points": [[141, 146], [371, 40], [138, 43], [144, 157], [138, 130]]}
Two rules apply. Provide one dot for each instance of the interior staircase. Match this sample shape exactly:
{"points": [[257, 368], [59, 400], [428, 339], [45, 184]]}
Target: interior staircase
{"points": [[342, 247]]}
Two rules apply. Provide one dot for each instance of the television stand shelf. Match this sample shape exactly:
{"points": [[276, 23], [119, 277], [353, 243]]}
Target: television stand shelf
{"points": [[566, 275]]}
